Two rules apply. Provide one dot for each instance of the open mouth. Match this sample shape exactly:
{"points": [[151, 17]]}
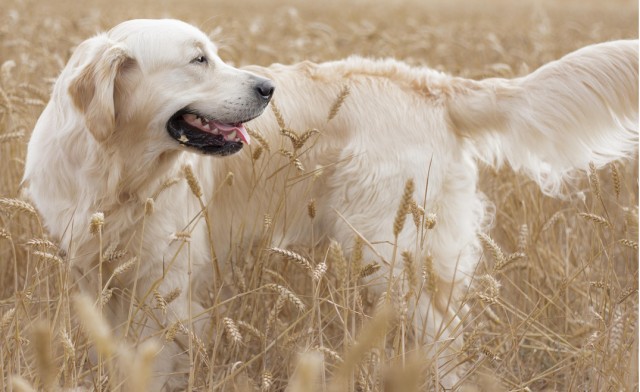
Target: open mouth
{"points": [[206, 134]]}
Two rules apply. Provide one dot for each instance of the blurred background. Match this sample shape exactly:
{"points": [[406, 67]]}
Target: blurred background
{"points": [[567, 318]]}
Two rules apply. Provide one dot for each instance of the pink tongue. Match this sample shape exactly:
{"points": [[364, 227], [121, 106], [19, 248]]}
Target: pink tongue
{"points": [[241, 131], [224, 129]]}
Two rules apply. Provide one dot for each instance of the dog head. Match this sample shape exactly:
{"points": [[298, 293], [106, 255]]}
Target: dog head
{"points": [[161, 83]]}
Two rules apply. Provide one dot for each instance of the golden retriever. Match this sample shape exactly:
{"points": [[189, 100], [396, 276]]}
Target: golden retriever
{"points": [[142, 104]]}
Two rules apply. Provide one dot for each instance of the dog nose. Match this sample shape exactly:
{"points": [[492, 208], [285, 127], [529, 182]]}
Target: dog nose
{"points": [[265, 89]]}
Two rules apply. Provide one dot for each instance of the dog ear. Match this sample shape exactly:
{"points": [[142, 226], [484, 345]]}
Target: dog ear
{"points": [[92, 87]]}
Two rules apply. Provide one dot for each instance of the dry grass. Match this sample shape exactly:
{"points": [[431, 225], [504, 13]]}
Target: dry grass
{"points": [[555, 302]]}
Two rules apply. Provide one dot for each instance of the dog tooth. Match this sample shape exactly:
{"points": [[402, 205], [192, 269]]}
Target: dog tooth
{"points": [[215, 131], [231, 136]]}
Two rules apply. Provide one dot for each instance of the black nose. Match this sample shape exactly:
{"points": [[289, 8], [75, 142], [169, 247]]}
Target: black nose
{"points": [[265, 89]]}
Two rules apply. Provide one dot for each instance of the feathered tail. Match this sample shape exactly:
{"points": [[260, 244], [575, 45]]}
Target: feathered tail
{"points": [[579, 109]]}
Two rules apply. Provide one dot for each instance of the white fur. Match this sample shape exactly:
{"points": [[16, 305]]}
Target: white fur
{"points": [[113, 153], [580, 109]]}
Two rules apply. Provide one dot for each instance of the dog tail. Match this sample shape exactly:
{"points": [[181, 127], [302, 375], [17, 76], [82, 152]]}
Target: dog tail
{"points": [[579, 109]]}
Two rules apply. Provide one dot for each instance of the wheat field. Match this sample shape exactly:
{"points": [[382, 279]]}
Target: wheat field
{"points": [[554, 304]]}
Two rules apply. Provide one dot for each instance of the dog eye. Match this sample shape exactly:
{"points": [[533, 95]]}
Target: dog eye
{"points": [[200, 60]]}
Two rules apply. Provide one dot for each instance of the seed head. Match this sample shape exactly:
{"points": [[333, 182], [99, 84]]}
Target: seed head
{"points": [[193, 182], [403, 209], [430, 220], [335, 108], [96, 223]]}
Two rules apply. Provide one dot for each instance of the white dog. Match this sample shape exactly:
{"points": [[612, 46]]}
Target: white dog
{"points": [[135, 105]]}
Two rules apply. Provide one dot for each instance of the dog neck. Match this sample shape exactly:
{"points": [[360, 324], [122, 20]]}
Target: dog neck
{"points": [[90, 177]]}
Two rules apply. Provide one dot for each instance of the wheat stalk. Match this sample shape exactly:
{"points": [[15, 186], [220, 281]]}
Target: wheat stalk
{"points": [[149, 206], [172, 295], [96, 222], [183, 236], [9, 136], [160, 302], [510, 261], [6, 319], [69, 351], [112, 253], [600, 284], [266, 381], [470, 341], [124, 267], [267, 221], [166, 185], [6, 71], [626, 293], [274, 313], [629, 243], [293, 256], [410, 271], [291, 135], [430, 220], [616, 331], [42, 243], [311, 208], [260, 139], [257, 153], [595, 219], [48, 256], [487, 352], [173, 330], [617, 181], [496, 251], [105, 296], [232, 331], [16, 205], [417, 212], [368, 270], [276, 112], [327, 351], [337, 104], [492, 286], [95, 325], [293, 159], [403, 209], [67, 343], [302, 335], [192, 181], [288, 295], [523, 238], [302, 139], [429, 275], [163, 301], [252, 330], [319, 271], [357, 257], [4, 234], [593, 179], [44, 355], [551, 221], [336, 258]]}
